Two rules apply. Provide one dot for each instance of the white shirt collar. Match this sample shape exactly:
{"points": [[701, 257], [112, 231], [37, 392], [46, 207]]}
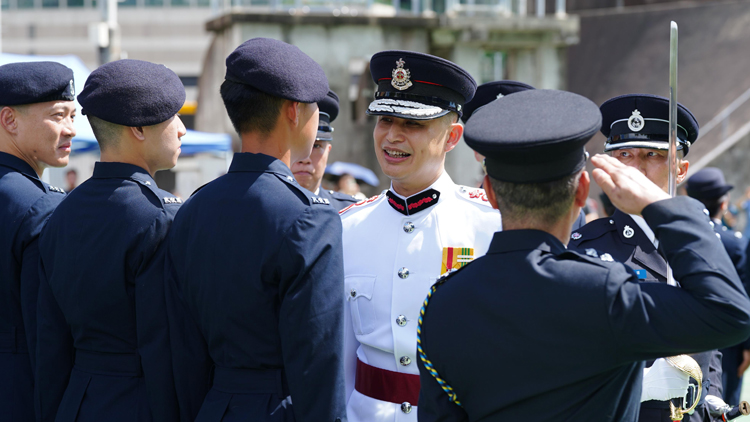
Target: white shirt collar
{"points": [[317, 191]]}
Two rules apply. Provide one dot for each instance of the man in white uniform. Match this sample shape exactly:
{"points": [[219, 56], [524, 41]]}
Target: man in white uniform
{"points": [[398, 243]]}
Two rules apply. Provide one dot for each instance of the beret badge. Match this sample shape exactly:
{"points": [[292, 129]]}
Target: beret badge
{"points": [[636, 122], [72, 88], [400, 76]]}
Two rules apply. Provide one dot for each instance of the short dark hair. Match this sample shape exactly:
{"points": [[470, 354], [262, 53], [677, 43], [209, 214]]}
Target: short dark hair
{"points": [[543, 203], [249, 109], [106, 133], [713, 205]]}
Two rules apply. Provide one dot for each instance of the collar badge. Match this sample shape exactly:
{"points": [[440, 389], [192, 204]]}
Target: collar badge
{"points": [[576, 236], [636, 122], [400, 76], [628, 232], [592, 253], [606, 257]]}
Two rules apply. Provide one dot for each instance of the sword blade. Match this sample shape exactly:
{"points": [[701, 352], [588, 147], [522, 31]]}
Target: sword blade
{"points": [[672, 155]]}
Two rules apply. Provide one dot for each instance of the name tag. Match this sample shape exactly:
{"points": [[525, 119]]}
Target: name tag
{"points": [[642, 274]]}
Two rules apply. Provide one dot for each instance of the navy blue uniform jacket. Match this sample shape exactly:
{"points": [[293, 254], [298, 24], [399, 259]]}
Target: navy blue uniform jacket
{"points": [[103, 350], [732, 356], [532, 330], [25, 204], [256, 265], [638, 252]]}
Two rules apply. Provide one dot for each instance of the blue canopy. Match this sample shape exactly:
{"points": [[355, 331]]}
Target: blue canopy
{"points": [[84, 141]]}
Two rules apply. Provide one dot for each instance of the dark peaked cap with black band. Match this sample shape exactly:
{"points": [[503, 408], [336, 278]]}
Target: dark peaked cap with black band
{"points": [[132, 93], [35, 82], [542, 138], [642, 121], [489, 92], [278, 69], [418, 86], [328, 109]]}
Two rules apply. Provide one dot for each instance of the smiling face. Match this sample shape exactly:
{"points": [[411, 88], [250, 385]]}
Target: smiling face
{"points": [[45, 132], [412, 152], [162, 145], [653, 163], [309, 171]]}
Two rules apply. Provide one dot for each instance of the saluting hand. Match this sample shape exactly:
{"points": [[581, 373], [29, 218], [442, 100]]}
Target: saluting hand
{"points": [[628, 189]]}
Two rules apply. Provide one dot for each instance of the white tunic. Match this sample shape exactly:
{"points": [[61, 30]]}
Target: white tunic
{"points": [[378, 242]]}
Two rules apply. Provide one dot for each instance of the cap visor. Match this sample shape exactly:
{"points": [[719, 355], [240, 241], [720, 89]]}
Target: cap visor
{"points": [[405, 109]]}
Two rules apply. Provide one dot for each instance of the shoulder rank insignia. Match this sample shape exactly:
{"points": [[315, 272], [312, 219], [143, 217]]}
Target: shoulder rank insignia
{"points": [[172, 200], [592, 253], [628, 232], [56, 189], [400, 76], [319, 200], [455, 258], [576, 236], [606, 257]]}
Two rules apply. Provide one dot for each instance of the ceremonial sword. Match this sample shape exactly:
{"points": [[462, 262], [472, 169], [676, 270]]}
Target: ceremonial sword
{"points": [[672, 154]]}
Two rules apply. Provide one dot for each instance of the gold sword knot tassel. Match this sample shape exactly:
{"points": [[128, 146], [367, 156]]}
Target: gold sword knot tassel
{"points": [[689, 366]]}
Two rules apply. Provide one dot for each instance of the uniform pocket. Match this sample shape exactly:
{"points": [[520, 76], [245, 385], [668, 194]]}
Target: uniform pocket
{"points": [[359, 290]]}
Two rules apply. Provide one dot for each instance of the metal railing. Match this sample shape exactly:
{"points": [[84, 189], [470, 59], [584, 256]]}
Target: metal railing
{"points": [[718, 129]]}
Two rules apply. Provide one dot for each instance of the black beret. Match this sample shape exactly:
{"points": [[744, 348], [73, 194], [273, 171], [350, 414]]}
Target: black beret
{"points": [[708, 183], [132, 93], [491, 91], [418, 86], [533, 136], [642, 121], [35, 82], [329, 110], [278, 69]]}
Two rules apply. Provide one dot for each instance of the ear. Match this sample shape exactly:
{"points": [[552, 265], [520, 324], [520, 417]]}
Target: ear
{"points": [[292, 111], [682, 169], [9, 120], [582, 193], [138, 133], [454, 136], [487, 185], [328, 148]]}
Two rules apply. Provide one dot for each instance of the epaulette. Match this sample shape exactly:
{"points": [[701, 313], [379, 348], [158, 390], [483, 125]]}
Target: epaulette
{"points": [[291, 181], [474, 195], [592, 230], [363, 202], [590, 255], [342, 196]]}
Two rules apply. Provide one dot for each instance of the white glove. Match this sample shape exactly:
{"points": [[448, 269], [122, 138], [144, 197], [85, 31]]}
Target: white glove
{"points": [[716, 406], [663, 382]]}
